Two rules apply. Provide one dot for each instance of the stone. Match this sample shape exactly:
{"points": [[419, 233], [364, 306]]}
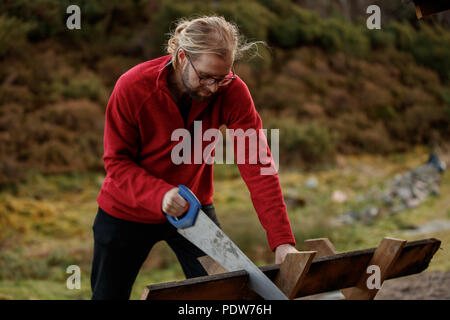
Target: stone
{"points": [[413, 203], [434, 190], [370, 213], [312, 183], [398, 208], [404, 193], [339, 196], [346, 219]]}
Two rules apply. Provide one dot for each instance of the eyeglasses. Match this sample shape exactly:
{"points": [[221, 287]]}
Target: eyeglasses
{"points": [[208, 80]]}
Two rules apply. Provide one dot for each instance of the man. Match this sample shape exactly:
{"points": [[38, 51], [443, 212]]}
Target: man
{"points": [[196, 81]]}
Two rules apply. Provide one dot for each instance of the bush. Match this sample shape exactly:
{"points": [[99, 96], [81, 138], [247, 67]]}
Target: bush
{"points": [[429, 45], [46, 16], [13, 36], [319, 76], [252, 18], [83, 85], [63, 137], [358, 134], [312, 144]]}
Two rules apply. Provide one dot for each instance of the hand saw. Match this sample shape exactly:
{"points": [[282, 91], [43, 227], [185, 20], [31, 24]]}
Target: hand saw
{"points": [[199, 229]]}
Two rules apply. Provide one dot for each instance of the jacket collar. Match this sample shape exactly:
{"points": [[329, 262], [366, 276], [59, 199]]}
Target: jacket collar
{"points": [[161, 79]]}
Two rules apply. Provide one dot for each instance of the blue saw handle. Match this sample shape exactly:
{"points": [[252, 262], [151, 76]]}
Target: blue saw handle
{"points": [[194, 205]]}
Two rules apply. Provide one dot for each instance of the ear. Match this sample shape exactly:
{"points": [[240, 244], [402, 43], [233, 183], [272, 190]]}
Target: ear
{"points": [[181, 57]]}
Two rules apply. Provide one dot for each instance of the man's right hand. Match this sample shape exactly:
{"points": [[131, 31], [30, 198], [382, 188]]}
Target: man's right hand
{"points": [[173, 204]]}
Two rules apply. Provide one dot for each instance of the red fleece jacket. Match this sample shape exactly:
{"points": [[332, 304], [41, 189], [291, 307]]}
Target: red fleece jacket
{"points": [[140, 118]]}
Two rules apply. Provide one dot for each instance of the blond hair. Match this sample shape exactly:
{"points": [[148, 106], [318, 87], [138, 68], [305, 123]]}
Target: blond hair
{"points": [[208, 34]]}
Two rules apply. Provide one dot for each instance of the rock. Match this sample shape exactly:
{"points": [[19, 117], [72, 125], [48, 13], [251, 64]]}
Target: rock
{"points": [[346, 219], [398, 208], [413, 203], [370, 213], [434, 190], [312, 183], [387, 198], [430, 227], [397, 178], [406, 190], [419, 194], [350, 217], [339, 196], [404, 193], [420, 185]]}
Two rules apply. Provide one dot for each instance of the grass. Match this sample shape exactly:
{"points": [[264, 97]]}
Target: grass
{"points": [[45, 223]]}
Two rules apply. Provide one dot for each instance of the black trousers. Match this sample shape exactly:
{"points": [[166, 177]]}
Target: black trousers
{"points": [[121, 247]]}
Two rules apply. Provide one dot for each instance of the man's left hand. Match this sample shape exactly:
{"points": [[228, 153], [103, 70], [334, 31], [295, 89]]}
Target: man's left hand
{"points": [[282, 250]]}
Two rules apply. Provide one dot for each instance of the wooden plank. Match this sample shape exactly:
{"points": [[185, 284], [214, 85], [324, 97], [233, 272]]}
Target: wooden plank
{"points": [[225, 286], [429, 7], [211, 266], [323, 246], [418, 12], [325, 274], [384, 257], [343, 270], [144, 294], [292, 272]]}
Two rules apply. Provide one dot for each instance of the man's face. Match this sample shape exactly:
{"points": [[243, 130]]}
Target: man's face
{"points": [[206, 65]]}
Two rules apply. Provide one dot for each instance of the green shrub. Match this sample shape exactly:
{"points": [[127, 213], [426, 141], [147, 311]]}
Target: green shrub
{"points": [[63, 137], [380, 39], [429, 45], [13, 36], [432, 49], [84, 85], [403, 33], [311, 144], [252, 18], [46, 16]]}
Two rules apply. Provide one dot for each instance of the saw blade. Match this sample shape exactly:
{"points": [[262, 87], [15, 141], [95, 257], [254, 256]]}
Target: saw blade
{"points": [[207, 236]]}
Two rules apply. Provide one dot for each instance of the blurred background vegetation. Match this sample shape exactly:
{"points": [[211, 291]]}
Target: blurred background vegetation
{"points": [[335, 89]]}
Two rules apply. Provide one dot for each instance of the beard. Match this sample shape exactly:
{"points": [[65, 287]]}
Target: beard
{"points": [[200, 94]]}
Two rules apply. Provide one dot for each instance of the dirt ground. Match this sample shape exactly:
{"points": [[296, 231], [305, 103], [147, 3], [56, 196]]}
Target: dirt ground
{"points": [[422, 286]]}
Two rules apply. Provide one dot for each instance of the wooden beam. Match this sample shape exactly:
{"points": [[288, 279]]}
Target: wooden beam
{"points": [[292, 272], [418, 12], [211, 266], [384, 258], [429, 7], [325, 274], [323, 246], [225, 286]]}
